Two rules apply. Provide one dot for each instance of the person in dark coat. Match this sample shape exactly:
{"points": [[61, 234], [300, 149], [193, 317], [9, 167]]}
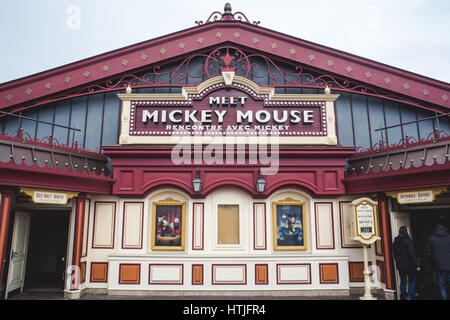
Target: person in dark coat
{"points": [[406, 262], [438, 253]]}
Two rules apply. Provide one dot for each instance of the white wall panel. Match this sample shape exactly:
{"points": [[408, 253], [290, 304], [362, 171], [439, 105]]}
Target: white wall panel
{"points": [[259, 226], [132, 225], [293, 273], [166, 274], [324, 226], [229, 274], [346, 213], [86, 228], [198, 226], [104, 223]]}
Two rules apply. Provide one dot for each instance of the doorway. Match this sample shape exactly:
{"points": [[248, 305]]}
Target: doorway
{"points": [[422, 227], [47, 250]]}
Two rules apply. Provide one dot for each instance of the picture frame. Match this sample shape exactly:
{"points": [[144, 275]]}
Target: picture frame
{"points": [[168, 225], [289, 225]]}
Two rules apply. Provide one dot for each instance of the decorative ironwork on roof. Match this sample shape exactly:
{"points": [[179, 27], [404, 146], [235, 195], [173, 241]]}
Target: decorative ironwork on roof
{"points": [[47, 153], [407, 154], [227, 15]]}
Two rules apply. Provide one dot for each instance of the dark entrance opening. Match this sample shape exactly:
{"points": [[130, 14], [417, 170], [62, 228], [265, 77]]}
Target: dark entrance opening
{"points": [[423, 223], [47, 249]]}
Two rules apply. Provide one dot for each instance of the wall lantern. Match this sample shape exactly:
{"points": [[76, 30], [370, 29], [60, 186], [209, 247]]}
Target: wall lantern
{"points": [[197, 183], [260, 183]]}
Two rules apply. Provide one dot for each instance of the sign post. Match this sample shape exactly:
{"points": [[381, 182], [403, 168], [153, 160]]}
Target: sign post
{"points": [[366, 231]]}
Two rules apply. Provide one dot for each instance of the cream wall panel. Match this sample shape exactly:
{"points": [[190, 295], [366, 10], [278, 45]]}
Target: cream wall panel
{"points": [[86, 228], [164, 274], [346, 225], [229, 274], [132, 225], [260, 226], [324, 226], [104, 223], [198, 226], [229, 196], [293, 274]]}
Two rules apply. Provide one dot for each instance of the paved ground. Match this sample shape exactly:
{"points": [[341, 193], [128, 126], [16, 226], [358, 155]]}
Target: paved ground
{"points": [[90, 296]]}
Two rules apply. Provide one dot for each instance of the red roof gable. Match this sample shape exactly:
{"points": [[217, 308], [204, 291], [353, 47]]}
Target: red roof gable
{"points": [[224, 29]]}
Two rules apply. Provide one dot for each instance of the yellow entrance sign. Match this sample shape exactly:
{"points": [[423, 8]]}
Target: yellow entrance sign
{"points": [[43, 196], [416, 196]]}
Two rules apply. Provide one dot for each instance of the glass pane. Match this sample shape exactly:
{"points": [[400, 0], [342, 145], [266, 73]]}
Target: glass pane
{"points": [[409, 115], [228, 224], [394, 135], [344, 120], [376, 117], [360, 121]]}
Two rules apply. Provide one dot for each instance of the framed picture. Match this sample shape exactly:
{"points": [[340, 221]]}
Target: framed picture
{"points": [[289, 227], [168, 228]]}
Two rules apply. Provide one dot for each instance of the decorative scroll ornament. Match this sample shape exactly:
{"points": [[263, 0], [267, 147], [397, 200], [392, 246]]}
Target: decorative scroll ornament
{"points": [[227, 15]]}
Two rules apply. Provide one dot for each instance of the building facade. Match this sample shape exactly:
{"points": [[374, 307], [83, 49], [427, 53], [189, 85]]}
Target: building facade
{"points": [[222, 159]]}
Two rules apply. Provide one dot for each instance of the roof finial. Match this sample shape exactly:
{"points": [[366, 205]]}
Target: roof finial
{"points": [[227, 8]]}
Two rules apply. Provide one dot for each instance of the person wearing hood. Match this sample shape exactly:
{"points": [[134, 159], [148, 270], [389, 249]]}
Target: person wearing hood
{"points": [[438, 253], [406, 262]]}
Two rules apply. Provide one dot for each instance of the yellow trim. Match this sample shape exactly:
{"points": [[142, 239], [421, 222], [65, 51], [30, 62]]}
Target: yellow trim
{"points": [[375, 236], [169, 202], [289, 201], [30, 192], [435, 192]]}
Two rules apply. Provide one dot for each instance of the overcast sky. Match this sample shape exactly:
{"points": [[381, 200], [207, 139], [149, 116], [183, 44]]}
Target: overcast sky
{"points": [[408, 34]]}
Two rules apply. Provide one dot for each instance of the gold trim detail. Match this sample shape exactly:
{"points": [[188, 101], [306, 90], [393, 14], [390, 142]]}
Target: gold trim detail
{"points": [[289, 201], [169, 202]]}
